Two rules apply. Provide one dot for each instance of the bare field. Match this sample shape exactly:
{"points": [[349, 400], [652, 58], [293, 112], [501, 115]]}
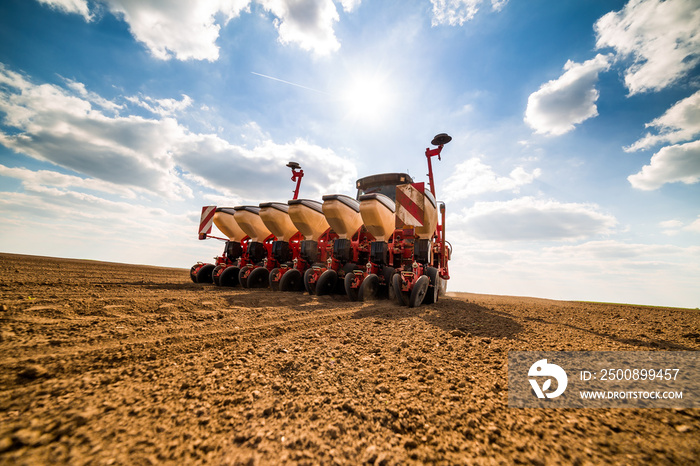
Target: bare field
{"points": [[104, 363]]}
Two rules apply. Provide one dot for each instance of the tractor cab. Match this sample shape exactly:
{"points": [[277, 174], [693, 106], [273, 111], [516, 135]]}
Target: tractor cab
{"points": [[384, 183]]}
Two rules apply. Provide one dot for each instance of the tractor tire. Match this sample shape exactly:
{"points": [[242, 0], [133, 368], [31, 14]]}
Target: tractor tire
{"points": [[204, 273], [369, 290], [229, 277], [432, 295], [386, 290], [216, 274], [193, 273], [399, 295], [326, 282], [349, 290], [259, 278], [274, 279], [243, 275], [420, 288], [348, 268], [292, 280], [310, 287]]}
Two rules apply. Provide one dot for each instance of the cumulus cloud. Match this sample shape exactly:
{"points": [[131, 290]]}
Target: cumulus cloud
{"points": [[530, 219], [54, 124], [162, 107], [674, 227], [59, 125], [70, 6], [308, 23], [662, 38], [183, 29], [608, 270], [694, 227], [681, 122], [614, 250], [90, 226], [671, 164], [458, 12], [32, 180], [472, 177], [93, 98], [350, 5], [260, 174], [562, 103], [189, 29]]}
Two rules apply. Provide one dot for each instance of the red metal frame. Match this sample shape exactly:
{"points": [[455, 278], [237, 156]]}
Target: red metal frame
{"points": [[429, 153], [410, 272], [297, 176]]}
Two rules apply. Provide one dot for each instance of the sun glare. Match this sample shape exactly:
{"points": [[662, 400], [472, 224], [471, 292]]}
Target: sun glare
{"points": [[368, 98]]}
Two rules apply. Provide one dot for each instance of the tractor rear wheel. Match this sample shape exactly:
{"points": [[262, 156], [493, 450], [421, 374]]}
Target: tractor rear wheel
{"points": [[229, 277], [310, 287], [349, 290], [326, 282], [274, 279], [216, 274], [399, 295], [291, 281], [259, 278], [387, 289], [369, 290], [243, 275], [434, 287], [420, 288], [204, 273]]}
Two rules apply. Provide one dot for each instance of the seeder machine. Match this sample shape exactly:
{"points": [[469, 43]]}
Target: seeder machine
{"points": [[389, 241]]}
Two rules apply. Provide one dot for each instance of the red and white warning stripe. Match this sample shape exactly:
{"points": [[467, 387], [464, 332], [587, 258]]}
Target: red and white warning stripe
{"points": [[205, 220], [410, 203]]}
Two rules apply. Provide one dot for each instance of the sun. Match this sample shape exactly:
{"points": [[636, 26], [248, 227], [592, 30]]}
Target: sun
{"points": [[368, 98]]}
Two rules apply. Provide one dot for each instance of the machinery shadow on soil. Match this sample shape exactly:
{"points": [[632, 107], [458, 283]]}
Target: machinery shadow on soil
{"points": [[449, 315]]}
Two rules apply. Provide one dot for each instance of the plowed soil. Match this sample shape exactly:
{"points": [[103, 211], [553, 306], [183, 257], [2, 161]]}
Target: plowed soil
{"points": [[104, 363]]}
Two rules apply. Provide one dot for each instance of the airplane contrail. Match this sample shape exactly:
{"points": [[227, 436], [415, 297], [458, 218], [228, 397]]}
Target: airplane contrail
{"points": [[290, 83]]}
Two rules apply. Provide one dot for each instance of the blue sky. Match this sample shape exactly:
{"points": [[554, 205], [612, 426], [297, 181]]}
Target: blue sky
{"points": [[574, 172]]}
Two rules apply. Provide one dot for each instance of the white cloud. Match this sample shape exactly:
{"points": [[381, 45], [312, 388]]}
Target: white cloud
{"points": [[34, 179], [70, 6], [60, 127], [258, 174], [184, 29], [350, 5], [473, 177], [694, 227], [308, 23], [674, 227], [569, 100], [617, 251], [189, 29], [661, 37], [458, 12], [162, 107], [93, 98], [127, 154], [671, 224], [671, 164], [498, 5], [65, 223], [530, 219], [681, 122], [602, 270]]}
